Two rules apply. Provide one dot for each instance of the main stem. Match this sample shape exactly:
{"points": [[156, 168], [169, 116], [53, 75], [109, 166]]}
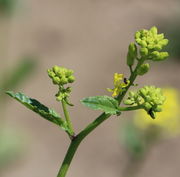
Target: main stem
{"points": [[75, 142]]}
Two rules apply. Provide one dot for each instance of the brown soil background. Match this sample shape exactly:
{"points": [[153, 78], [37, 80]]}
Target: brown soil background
{"points": [[91, 37]]}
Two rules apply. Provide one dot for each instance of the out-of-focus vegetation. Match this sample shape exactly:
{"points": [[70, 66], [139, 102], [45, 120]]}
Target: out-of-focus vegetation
{"points": [[140, 133], [7, 6], [10, 140], [11, 144], [16, 76]]}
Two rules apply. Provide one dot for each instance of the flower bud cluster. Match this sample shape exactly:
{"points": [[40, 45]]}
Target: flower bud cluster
{"points": [[60, 75], [151, 43], [149, 98]]}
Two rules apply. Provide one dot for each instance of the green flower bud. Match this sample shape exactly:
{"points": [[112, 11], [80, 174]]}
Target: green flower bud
{"points": [[132, 49], [62, 71], [58, 97], [144, 51], [137, 35], [164, 42], [130, 59], [160, 36], [71, 79], [68, 89], [132, 54], [56, 69], [150, 46], [147, 106], [155, 55], [150, 40], [144, 32], [63, 93], [163, 55], [69, 72], [63, 81], [157, 47], [159, 56], [131, 94], [148, 98], [56, 80], [128, 102], [138, 41], [143, 69], [153, 30], [158, 101], [152, 114], [158, 108], [59, 74], [143, 91], [51, 74], [143, 43]]}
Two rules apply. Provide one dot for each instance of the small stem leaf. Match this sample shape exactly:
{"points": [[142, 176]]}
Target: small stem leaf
{"points": [[104, 103], [36, 106]]}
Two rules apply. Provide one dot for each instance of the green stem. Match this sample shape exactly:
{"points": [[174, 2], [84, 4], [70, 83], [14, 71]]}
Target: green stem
{"points": [[77, 140], [67, 117], [131, 79], [132, 108]]}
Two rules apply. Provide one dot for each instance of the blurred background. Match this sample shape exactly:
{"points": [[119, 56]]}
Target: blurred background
{"points": [[91, 37]]}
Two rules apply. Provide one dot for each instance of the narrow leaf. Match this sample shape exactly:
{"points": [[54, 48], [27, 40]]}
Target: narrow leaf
{"points": [[36, 106], [104, 103]]}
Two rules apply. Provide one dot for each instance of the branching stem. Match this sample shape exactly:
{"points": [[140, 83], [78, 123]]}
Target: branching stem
{"points": [[131, 108], [75, 142]]}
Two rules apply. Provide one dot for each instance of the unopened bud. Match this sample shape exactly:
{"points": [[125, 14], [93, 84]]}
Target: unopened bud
{"points": [[63, 81], [143, 69], [158, 47], [128, 102], [55, 69], [158, 108], [71, 79], [137, 35], [154, 30], [56, 80], [144, 51], [164, 42], [147, 106], [143, 43], [132, 54]]}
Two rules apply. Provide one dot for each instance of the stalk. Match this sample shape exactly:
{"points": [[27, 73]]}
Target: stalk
{"points": [[75, 142], [67, 117]]}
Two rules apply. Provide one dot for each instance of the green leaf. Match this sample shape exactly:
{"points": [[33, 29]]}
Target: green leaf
{"points": [[36, 106], [104, 103]]}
